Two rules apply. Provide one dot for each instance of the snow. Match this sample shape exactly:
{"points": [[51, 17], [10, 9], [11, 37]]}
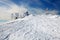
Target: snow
{"points": [[39, 27]]}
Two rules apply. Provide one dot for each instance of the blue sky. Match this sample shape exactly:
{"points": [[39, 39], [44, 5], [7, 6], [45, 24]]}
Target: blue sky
{"points": [[33, 6], [50, 4], [43, 4]]}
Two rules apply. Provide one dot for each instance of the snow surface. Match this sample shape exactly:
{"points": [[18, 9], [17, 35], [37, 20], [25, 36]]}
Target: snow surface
{"points": [[39, 27]]}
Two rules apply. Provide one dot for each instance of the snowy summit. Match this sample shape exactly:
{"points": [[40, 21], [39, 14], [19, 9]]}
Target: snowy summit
{"points": [[39, 27]]}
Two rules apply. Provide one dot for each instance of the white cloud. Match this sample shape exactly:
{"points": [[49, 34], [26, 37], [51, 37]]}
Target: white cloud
{"points": [[36, 11], [12, 8]]}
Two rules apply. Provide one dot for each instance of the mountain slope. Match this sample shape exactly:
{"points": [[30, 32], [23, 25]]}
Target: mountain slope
{"points": [[40, 27]]}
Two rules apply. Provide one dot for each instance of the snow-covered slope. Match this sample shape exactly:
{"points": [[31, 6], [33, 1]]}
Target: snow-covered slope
{"points": [[40, 27]]}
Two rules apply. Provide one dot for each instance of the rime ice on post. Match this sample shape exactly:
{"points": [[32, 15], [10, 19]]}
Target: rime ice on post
{"points": [[47, 11], [16, 15], [12, 16], [26, 14]]}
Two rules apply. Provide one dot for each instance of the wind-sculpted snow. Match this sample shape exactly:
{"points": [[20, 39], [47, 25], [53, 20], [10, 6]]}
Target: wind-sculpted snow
{"points": [[40, 27]]}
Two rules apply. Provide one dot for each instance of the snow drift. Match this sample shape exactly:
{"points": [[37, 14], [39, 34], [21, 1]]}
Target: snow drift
{"points": [[40, 27]]}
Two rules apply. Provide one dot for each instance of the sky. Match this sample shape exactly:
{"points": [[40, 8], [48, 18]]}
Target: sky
{"points": [[35, 6], [50, 4]]}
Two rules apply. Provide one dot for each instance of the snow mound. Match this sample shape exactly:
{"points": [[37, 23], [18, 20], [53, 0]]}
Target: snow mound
{"points": [[40, 27]]}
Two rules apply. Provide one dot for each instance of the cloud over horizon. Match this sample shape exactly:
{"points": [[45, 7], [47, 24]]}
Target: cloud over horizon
{"points": [[8, 7], [11, 7]]}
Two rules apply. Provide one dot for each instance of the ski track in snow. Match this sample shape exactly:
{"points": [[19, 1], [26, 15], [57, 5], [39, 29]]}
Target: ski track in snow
{"points": [[40, 27]]}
